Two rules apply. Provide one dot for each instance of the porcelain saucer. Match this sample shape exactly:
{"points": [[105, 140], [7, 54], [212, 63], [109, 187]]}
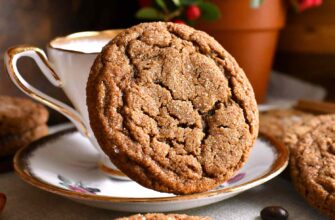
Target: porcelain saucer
{"points": [[65, 163]]}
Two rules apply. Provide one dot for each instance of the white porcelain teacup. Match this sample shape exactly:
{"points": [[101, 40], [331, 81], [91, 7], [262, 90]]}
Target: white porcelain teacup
{"points": [[67, 66]]}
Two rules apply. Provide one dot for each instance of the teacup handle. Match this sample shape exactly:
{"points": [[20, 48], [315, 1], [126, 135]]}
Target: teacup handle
{"points": [[11, 57]]}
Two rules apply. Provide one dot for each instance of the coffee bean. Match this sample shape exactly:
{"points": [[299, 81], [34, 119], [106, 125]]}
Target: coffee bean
{"points": [[274, 213], [2, 201]]}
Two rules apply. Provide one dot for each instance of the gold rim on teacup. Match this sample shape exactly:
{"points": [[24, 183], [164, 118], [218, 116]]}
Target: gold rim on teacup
{"points": [[81, 35]]}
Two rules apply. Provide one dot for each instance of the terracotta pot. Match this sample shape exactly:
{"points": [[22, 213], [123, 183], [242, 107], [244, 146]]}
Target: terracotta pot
{"points": [[306, 48], [250, 35], [310, 32]]}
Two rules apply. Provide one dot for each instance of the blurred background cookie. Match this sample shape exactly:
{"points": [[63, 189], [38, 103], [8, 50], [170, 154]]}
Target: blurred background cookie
{"points": [[21, 122], [156, 216], [277, 122]]}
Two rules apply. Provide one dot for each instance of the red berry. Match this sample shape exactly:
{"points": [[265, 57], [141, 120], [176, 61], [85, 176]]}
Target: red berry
{"points": [[318, 2], [193, 12], [179, 21], [306, 4], [144, 3]]}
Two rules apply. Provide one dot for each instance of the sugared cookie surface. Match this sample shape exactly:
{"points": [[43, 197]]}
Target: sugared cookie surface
{"points": [[171, 108], [158, 216], [312, 161]]}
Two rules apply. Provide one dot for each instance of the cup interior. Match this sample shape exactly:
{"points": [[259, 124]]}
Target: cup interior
{"points": [[84, 42]]}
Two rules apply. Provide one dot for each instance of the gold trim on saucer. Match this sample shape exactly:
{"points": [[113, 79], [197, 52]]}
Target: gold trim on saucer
{"points": [[111, 172], [22, 169], [107, 34]]}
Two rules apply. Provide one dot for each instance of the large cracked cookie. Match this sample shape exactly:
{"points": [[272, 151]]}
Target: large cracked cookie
{"points": [[312, 161], [171, 108]]}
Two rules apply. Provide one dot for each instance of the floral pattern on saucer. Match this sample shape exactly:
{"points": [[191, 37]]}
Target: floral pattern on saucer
{"points": [[232, 180], [77, 186], [236, 178]]}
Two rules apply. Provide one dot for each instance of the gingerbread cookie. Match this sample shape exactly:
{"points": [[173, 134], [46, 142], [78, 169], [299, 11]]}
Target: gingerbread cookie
{"points": [[171, 108], [17, 115], [276, 122], [21, 122], [312, 162], [159, 216], [9, 144]]}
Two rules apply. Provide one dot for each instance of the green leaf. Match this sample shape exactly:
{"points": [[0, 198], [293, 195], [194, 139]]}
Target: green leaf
{"points": [[256, 3], [176, 2], [209, 11], [161, 4], [191, 23], [149, 14], [189, 2]]}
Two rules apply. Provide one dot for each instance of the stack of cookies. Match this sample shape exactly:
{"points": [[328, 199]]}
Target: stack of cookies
{"points": [[171, 108], [311, 140], [21, 122]]}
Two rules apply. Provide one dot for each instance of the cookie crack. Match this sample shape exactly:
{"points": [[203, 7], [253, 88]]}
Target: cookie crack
{"points": [[240, 104], [131, 61], [161, 84], [156, 45], [106, 99], [205, 126], [233, 96], [125, 129], [136, 71], [204, 116], [186, 125], [215, 56]]}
